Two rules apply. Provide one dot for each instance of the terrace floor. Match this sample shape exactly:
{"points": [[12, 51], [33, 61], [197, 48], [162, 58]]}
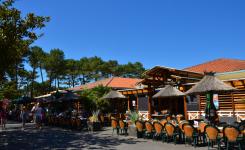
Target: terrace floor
{"points": [[56, 138]]}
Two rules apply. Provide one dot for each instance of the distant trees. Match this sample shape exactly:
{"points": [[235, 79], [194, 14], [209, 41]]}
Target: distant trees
{"points": [[18, 32]]}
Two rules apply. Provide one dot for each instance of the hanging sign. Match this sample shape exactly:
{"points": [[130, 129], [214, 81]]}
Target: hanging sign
{"points": [[216, 101], [133, 103]]}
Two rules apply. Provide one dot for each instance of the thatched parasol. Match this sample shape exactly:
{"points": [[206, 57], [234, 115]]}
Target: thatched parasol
{"points": [[168, 91], [114, 95], [208, 84]]}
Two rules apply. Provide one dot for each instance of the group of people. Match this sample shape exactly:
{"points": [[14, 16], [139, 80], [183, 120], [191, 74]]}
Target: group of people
{"points": [[37, 113]]}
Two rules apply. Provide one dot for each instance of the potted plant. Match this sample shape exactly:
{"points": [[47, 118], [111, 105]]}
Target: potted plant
{"points": [[93, 122], [132, 117]]}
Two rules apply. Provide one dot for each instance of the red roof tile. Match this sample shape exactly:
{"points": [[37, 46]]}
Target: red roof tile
{"points": [[219, 66], [114, 82]]}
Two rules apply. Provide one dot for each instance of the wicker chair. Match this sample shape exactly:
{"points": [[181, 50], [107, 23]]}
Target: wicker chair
{"points": [[232, 137], [171, 132], [169, 117], [201, 128], [181, 130], [149, 130], [140, 129], [115, 126], [179, 117], [190, 134], [212, 133], [163, 122], [123, 127], [159, 133]]}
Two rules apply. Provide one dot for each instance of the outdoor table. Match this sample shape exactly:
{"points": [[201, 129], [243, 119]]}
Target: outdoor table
{"points": [[156, 116]]}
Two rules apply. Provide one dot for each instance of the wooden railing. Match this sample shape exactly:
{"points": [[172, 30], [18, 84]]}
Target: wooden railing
{"points": [[240, 115], [144, 114]]}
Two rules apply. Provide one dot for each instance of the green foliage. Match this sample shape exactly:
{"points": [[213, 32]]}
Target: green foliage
{"points": [[9, 91], [93, 99], [17, 32], [133, 116]]}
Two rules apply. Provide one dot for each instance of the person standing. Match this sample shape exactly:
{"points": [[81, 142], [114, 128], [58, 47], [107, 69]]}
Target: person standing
{"points": [[3, 118], [23, 116], [38, 114]]}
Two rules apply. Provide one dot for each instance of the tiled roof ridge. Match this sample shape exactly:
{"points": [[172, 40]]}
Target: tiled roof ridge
{"points": [[109, 81], [211, 61]]}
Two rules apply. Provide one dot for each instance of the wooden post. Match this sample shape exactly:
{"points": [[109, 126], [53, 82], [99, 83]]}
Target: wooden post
{"points": [[233, 106], [185, 108], [149, 105], [128, 103]]}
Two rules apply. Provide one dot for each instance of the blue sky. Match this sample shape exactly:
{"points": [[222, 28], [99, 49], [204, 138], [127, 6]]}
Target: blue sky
{"points": [[173, 33]]}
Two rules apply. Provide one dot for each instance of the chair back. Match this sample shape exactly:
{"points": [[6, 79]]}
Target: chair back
{"points": [[231, 133], [158, 127], [139, 126], [212, 132], [179, 117], [148, 127], [122, 124], [168, 118], [181, 124], [188, 130], [163, 122], [169, 129], [114, 123], [202, 126]]}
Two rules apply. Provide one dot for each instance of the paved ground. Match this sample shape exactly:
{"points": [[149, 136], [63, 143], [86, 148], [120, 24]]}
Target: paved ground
{"points": [[57, 138]]}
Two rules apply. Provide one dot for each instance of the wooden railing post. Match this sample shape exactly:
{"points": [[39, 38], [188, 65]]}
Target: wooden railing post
{"points": [[233, 106]]}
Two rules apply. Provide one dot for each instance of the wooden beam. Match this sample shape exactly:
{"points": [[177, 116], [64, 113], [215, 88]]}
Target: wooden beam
{"points": [[185, 108]]}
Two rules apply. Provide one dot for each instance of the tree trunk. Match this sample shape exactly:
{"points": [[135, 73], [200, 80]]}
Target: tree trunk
{"points": [[41, 72], [73, 81], [32, 82], [58, 83], [16, 76]]}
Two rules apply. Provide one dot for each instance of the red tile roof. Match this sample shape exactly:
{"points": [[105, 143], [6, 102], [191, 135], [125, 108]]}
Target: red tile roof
{"points": [[114, 82], [219, 66]]}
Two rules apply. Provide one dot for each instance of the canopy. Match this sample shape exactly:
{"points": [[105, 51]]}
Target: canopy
{"points": [[69, 96], [168, 91], [210, 83], [114, 95]]}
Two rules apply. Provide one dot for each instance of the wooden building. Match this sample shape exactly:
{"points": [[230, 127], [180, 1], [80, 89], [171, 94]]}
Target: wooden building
{"points": [[230, 71]]}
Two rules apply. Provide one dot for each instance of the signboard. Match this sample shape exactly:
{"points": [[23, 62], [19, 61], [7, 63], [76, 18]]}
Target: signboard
{"points": [[216, 101], [133, 103]]}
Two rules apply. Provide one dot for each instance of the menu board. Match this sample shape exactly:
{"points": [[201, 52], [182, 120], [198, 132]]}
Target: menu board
{"points": [[216, 101]]}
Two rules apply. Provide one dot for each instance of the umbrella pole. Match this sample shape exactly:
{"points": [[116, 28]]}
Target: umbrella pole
{"points": [[210, 110]]}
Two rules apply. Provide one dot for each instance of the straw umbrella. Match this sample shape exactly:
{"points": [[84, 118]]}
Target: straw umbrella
{"points": [[114, 95], [168, 91], [210, 85]]}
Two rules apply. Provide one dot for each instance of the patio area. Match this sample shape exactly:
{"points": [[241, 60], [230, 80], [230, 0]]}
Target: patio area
{"points": [[57, 138]]}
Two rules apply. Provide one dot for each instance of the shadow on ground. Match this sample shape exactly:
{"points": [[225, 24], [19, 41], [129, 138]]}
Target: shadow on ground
{"points": [[56, 138]]}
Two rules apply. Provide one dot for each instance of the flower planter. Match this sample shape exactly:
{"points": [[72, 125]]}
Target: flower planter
{"points": [[132, 130], [94, 126]]}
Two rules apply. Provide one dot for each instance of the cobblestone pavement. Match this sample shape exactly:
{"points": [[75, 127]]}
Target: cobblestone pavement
{"points": [[56, 138]]}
